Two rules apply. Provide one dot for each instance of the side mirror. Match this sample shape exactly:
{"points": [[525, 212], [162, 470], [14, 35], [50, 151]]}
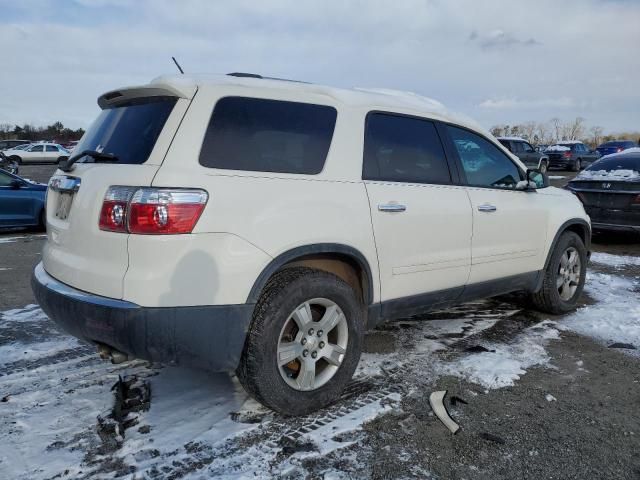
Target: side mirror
{"points": [[16, 184], [534, 179]]}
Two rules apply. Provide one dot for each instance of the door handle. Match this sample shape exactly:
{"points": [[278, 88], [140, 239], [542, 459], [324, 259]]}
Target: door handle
{"points": [[486, 207], [391, 207]]}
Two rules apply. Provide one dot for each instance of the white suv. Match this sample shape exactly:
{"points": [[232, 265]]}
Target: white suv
{"points": [[260, 225]]}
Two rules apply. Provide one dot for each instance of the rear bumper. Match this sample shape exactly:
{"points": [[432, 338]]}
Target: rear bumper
{"points": [[210, 337]]}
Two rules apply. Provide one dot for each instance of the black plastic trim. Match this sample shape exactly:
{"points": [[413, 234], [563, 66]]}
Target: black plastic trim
{"points": [[424, 302], [209, 336], [305, 250]]}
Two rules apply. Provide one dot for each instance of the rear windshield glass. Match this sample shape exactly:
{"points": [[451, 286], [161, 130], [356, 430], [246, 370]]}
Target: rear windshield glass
{"points": [[618, 162], [129, 131], [268, 136]]}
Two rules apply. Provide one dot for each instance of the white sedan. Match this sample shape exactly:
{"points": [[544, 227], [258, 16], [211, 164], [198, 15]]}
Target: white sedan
{"points": [[38, 152]]}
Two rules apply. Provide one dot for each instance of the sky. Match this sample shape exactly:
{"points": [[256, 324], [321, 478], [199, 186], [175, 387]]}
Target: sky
{"points": [[500, 62]]}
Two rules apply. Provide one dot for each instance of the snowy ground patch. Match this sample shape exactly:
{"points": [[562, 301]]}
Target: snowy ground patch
{"points": [[614, 260], [615, 317]]}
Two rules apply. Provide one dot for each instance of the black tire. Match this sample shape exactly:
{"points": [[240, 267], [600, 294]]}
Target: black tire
{"points": [[43, 219], [61, 159], [548, 299], [258, 371], [577, 165]]}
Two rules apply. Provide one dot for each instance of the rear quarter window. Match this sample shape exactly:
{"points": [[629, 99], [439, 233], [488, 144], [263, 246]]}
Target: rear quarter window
{"points": [[262, 135]]}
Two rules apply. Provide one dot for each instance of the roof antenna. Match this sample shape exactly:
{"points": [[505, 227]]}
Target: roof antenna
{"points": [[177, 65]]}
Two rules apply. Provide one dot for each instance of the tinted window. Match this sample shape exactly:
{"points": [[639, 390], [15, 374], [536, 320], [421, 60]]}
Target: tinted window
{"points": [[268, 136], [527, 148], [129, 131], [483, 163], [403, 149], [507, 144], [51, 148], [5, 180], [618, 162], [517, 147], [38, 148]]}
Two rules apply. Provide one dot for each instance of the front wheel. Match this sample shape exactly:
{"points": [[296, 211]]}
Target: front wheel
{"points": [[564, 276], [304, 342]]}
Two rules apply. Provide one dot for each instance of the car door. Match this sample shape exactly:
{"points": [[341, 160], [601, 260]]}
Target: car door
{"points": [[531, 158], [421, 221], [33, 154], [509, 225], [51, 153], [16, 203]]}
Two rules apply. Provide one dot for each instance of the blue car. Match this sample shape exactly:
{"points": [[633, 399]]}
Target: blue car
{"points": [[21, 202], [615, 146]]}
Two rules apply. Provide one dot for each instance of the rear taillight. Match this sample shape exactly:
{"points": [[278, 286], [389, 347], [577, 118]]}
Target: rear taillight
{"points": [[152, 211], [619, 149], [636, 201], [566, 154], [113, 215]]}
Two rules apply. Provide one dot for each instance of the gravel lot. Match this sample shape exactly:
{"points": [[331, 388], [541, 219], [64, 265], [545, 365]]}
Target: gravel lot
{"points": [[543, 397]]}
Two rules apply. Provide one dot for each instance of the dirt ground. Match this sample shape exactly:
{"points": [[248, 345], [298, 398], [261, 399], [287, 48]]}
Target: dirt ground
{"points": [[534, 399]]}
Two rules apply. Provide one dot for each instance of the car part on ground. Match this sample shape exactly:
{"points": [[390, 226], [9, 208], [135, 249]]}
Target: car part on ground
{"points": [[436, 400]]}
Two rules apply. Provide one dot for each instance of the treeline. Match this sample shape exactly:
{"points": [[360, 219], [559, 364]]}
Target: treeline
{"points": [[56, 132], [556, 130]]}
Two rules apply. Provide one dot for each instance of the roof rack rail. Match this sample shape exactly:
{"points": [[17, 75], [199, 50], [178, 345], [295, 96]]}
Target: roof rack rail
{"points": [[244, 74]]}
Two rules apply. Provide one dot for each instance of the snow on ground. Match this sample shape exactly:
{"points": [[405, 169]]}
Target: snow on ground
{"points": [[614, 260], [615, 317], [201, 425]]}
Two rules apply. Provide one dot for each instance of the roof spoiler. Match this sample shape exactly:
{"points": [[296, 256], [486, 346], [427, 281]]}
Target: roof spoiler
{"points": [[115, 97]]}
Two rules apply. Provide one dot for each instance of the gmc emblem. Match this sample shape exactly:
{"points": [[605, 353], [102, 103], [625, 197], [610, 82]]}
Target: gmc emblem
{"points": [[606, 185]]}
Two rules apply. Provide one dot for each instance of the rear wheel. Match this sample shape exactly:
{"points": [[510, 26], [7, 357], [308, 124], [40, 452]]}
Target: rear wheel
{"points": [[304, 342], [564, 277], [577, 165]]}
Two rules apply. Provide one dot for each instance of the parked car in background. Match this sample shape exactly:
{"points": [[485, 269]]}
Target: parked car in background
{"points": [[571, 155], [263, 225], [38, 153], [541, 147], [71, 145], [7, 165], [7, 144], [610, 191], [526, 153], [615, 146], [22, 202]]}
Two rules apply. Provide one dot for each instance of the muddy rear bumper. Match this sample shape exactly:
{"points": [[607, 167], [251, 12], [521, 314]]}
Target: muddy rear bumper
{"points": [[210, 336]]}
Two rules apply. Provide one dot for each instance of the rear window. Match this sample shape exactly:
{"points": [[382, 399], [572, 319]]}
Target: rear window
{"points": [[268, 136], [618, 162], [130, 130]]}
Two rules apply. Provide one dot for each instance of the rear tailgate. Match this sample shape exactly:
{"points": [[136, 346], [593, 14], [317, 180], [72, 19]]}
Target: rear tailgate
{"points": [[139, 131], [608, 202]]}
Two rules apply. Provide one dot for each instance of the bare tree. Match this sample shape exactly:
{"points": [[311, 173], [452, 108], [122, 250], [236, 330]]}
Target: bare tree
{"points": [[542, 133], [575, 129], [556, 128], [596, 134], [528, 130]]}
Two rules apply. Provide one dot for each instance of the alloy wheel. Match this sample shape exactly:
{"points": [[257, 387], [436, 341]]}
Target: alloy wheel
{"points": [[312, 344], [569, 271]]}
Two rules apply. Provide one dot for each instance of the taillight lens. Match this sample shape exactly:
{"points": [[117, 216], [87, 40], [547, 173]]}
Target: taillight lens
{"points": [[113, 215], [152, 211], [567, 154], [636, 201]]}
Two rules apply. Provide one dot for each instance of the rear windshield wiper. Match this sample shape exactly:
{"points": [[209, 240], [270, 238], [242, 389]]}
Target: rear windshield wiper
{"points": [[98, 157]]}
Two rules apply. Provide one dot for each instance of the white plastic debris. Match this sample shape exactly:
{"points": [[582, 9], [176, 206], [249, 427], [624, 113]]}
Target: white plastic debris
{"points": [[437, 404]]}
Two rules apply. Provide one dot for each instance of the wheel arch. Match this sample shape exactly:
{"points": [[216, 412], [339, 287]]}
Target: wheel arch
{"points": [[577, 225], [336, 258]]}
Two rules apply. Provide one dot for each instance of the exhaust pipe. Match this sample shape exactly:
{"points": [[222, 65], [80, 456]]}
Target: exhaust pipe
{"points": [[108, 353]]}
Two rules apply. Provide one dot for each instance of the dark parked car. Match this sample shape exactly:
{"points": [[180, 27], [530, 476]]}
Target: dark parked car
{"points": [[7, 144], [571, 155], [615, 146], [610, 191], [21, 201], [7, 165], [526, 153]]}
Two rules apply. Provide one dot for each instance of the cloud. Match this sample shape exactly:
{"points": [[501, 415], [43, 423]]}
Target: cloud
{"points": [[513, 103], [58, 57], [500, 39]]}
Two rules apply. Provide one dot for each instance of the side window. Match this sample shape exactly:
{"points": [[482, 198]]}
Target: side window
{"points": [[52, 148], [483, 163], [403, 149], [527, 148], [517, 147], [261, 135], [5, 180], [37, 148]]}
